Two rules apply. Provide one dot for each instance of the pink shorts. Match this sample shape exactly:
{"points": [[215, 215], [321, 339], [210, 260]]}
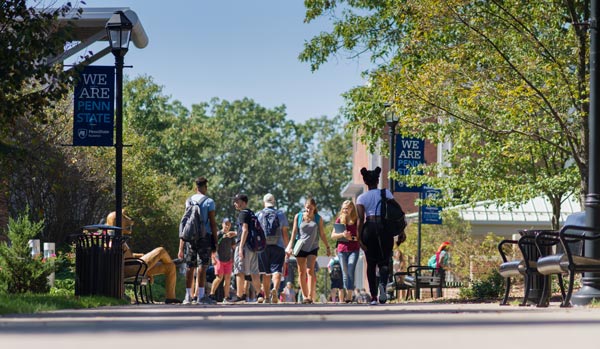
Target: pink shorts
{"points": [[222, 268]]}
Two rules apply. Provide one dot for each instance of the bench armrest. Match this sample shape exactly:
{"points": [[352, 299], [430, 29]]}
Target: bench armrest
{"points": [[501, 248], [142, 267]]}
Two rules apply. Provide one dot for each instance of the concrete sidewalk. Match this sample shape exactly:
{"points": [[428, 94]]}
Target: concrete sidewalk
{"points": [[424, 325]]}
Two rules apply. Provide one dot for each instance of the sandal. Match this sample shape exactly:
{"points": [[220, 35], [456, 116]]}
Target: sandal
{"points": [[307, 301]]}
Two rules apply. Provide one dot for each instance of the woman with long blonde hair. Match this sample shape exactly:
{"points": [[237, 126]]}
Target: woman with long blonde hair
{"points": [[308, 225], [348, 247]]}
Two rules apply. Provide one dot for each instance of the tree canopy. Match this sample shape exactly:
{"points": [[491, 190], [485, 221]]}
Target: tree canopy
{"points": [[502, 83]]}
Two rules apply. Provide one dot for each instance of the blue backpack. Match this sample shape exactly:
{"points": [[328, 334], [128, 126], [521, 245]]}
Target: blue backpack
{"points": [[270, 223]]}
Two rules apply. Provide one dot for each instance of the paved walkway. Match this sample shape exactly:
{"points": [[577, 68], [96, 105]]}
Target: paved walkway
{"points": [[411, 325]]}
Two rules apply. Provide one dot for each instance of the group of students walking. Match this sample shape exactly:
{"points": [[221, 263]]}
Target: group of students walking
{"points": [[362, 229]]}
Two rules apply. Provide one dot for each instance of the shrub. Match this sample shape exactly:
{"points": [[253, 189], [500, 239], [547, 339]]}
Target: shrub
{"points": [[64, 282], [490, 287], [21, 272]]}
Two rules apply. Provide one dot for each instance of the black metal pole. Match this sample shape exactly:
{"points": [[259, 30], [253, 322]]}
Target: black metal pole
{"points": [[419, 230], [590, 289], [392, 155], [119, 142]]}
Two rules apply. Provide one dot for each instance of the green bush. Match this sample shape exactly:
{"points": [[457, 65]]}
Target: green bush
{"points": [[490, 287], [64, 280], [21, 272]]}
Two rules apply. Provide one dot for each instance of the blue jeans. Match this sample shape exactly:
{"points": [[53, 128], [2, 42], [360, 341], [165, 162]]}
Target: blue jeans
{"points": [[348, 263]]}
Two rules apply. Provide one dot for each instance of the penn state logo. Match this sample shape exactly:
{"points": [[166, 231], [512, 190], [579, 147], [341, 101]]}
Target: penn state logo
{"points": [[82, 133]]}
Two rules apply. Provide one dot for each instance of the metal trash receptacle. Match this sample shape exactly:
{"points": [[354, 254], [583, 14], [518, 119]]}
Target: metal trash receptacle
{"points": [[99, 262]]}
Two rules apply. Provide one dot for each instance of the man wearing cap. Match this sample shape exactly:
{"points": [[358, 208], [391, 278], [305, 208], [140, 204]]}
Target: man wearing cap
{"points": [[198, 254], [245, 261], [223, 259], [270, 262]]}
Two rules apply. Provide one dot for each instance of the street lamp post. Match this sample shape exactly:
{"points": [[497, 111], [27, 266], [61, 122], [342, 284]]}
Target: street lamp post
{"points": [[119, 28], [392, 120], [590, 289]]}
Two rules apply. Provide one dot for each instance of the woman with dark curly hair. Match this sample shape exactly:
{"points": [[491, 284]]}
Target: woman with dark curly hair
{"points": [[376, 243]]}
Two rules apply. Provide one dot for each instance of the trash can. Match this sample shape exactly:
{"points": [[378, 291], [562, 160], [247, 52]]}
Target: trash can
{"points": [[99, 262], [536, 281]]}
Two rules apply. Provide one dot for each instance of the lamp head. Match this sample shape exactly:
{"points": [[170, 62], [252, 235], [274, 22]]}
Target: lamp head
{"points": [[118, 29], [391, 118]]}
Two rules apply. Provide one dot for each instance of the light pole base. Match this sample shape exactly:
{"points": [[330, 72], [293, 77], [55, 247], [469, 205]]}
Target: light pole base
{"points": [[589, 292]]}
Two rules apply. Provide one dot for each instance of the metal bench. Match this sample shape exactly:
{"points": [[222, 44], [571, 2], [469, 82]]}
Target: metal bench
{"points": [[525, 266], [420, 276], [140, 281], [571, 260]]}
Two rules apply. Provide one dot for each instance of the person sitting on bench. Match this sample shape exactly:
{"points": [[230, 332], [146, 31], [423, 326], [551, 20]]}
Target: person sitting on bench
{"points": [[158, 260]]}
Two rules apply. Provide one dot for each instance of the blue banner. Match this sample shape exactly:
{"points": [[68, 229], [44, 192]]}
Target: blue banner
{"points": [[94, 112], [410, 152], [431, 214]]}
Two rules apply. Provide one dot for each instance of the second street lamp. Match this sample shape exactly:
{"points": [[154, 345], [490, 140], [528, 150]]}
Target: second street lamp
{"points": [[118, 29], [391, 120]]}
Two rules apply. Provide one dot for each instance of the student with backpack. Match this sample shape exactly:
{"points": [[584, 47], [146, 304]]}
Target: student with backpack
{"points": [[308, 225], [336, 278], [245, 256], [198, 234], [348, 247], [271, 260], [376, 241]]}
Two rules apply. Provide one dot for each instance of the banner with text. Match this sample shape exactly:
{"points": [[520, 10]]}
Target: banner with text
{"points": [[431, 214], [410, 152], [94, 107]]}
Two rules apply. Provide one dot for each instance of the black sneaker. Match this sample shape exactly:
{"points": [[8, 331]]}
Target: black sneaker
{"points": [[172, 301]]}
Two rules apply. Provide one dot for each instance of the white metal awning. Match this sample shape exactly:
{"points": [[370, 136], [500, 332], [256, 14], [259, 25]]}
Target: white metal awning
{"points": [[90, 27]]}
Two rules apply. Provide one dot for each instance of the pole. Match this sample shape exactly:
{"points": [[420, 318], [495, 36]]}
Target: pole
{"points": [[119, 143], [419, 231], [392, 155], [590, 289]]}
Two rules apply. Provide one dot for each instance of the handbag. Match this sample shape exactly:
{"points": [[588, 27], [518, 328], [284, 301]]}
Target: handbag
{"points": [[298, 246]]}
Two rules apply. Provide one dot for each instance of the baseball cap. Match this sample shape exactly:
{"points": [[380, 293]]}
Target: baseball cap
{"points": [[269, 200], [226, 220]]}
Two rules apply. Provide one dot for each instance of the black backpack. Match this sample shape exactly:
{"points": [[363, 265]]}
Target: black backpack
{"points": [[394, 221], [256, 240], [336, 271], [192, 227]]}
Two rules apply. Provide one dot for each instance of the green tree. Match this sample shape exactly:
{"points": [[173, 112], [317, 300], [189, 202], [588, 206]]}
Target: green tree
{"points": [[21, 272], [504, 81]]}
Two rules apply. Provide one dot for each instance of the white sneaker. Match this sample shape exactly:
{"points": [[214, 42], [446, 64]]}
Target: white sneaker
{"points": [[186, 301], [374, 302]]}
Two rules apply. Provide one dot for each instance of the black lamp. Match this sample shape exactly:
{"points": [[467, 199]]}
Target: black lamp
{"points": [[391, 120], [118, 29]]}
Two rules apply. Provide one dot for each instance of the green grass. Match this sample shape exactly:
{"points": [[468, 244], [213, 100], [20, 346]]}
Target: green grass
{"points": [[35, 303]]}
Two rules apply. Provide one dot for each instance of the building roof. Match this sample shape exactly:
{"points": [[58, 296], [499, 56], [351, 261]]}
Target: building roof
{"points": [[90, 27], [507, 219]]}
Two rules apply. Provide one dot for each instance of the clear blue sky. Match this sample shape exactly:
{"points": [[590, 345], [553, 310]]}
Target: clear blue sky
{"points": [[231, 49]]}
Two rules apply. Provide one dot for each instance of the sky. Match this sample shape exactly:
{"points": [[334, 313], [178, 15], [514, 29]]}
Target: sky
{"points": [[231, 49]]}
